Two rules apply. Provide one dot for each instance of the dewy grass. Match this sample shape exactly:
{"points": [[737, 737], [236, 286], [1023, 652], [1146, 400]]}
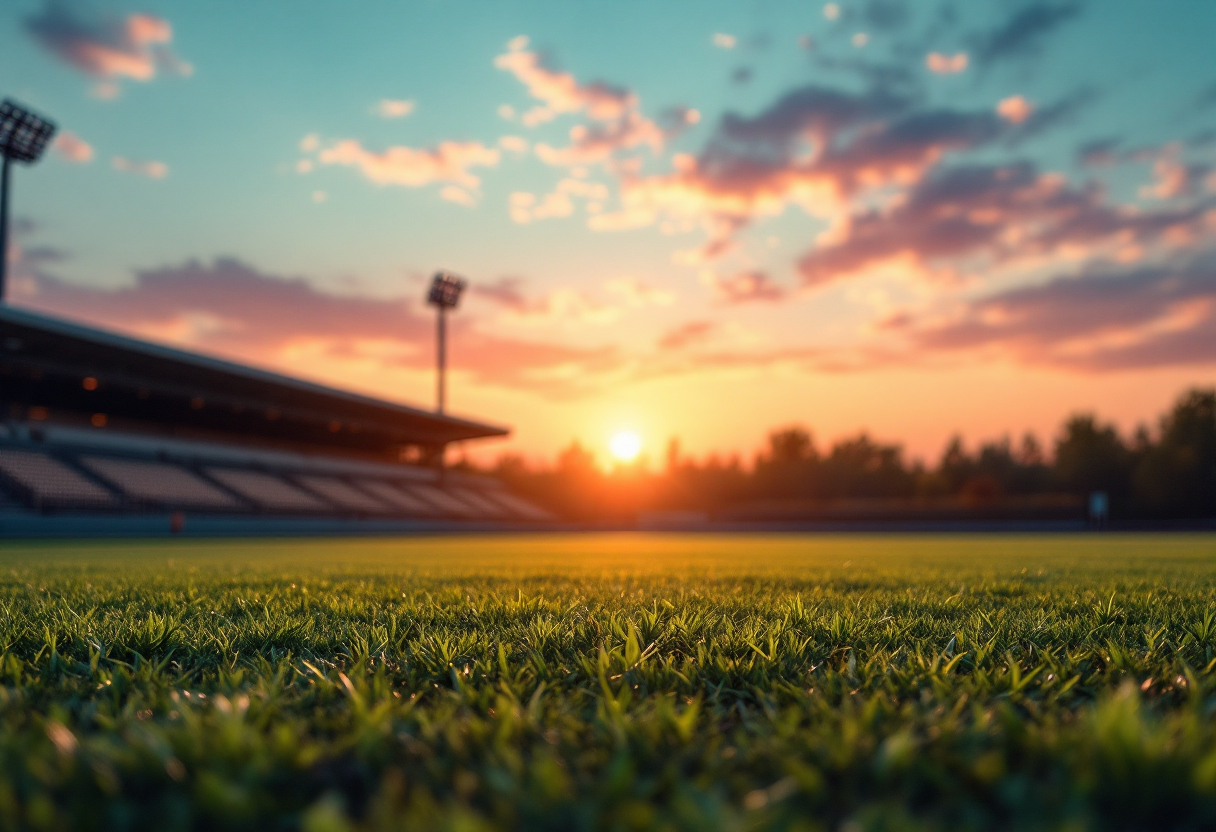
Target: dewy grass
{"points": [[610, 682]]}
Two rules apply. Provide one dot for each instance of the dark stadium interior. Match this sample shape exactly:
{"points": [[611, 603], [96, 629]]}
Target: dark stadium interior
{"points": [[72, 372], [103, 425]]}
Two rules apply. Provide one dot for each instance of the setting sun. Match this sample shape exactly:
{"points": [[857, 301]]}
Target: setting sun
{"points": [[625, 446]]}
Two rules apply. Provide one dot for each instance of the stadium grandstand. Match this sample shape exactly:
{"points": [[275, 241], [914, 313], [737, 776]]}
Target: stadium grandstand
{"points": [[101, 433]]}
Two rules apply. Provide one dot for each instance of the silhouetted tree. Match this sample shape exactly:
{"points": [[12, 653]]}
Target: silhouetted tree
{"points": [[1091, 457], [787, 467], [861, 467], [1176, 477], [1172, 474], [956, 466], [790, 445]]}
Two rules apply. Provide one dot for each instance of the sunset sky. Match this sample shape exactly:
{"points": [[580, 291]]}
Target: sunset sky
{"points": [[691, 219]]}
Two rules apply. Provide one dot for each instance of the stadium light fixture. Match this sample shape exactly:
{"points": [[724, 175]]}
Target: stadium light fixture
{"points": [[24, 136], [444, 295]]}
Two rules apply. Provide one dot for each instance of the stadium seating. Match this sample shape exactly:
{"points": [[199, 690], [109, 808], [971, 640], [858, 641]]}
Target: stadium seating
{"points": [[123, 473], [519, 507], [397, 497], [441, 501], [161, 484], [482, 504], [267, 490], [51, 483], [344, 496], [122, 432]]}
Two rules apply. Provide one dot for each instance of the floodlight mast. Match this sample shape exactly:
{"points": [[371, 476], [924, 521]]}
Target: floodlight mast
{"points": [[3, 227], [443, 295], [23, 137]]}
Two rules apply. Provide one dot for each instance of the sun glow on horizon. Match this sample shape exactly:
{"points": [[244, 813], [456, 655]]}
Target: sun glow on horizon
{"points": [[625, 446]]}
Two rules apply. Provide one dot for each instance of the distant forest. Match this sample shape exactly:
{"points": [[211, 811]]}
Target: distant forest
{"points": [[1166, 472]]}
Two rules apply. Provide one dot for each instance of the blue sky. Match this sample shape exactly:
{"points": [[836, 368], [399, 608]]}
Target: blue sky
{"points": [[992, 213]]}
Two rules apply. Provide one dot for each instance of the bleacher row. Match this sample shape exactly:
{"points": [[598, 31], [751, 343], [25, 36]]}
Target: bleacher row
{"points": [[62, 481]]}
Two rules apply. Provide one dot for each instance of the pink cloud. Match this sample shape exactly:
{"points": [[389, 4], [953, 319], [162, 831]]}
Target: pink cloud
{"points": [[591, 144], [744, 287], [394, 108], [617, 124], [506, 292], [815, 147], [526, 207], [1172, 176], [411, 167], [974, 218], [136, 47], [232, 309], [637, 293], [559, 91], [1015, 109], [458, 195], [150, 169], [515, 144], [946, 64], [1102, 319], [72, 148], [687, 335], [558, 306]]}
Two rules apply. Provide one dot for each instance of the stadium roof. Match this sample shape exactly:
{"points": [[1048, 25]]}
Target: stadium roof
{"points": [[52, 366]]}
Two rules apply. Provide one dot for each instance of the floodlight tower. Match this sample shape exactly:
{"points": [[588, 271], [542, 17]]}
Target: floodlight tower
{"points": [[23, 137], [444, 295]]}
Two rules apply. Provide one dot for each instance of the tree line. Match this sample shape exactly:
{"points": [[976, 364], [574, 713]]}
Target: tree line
{"points": [[1164, 472]]}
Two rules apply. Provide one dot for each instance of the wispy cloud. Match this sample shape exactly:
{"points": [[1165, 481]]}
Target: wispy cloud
{"points": [[458, 195], [564, 305], [1015, 109], [946, 64], [687, 335], [637, 293], [234, 309], [561, 92], [72, 148], [815, 147], [743, 287], [970, 218], [150, 169], [526, 207], [1023, 33], [413, 167], [1174, 175], [393, 108], [515, 144], [507, 292], [1102, 319], [617, 123], [135, 47]]}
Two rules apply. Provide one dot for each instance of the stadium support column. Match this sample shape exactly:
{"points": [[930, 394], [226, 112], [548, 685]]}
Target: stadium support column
{"points": [[3, 228], [444, 294], [441, 378], [441, 358]]}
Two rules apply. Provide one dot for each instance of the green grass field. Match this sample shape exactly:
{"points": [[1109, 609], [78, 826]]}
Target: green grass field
{"points": [[610, 682]]}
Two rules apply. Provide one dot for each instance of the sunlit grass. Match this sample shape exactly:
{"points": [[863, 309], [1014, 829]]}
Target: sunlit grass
{"points": [[610, 682]]}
